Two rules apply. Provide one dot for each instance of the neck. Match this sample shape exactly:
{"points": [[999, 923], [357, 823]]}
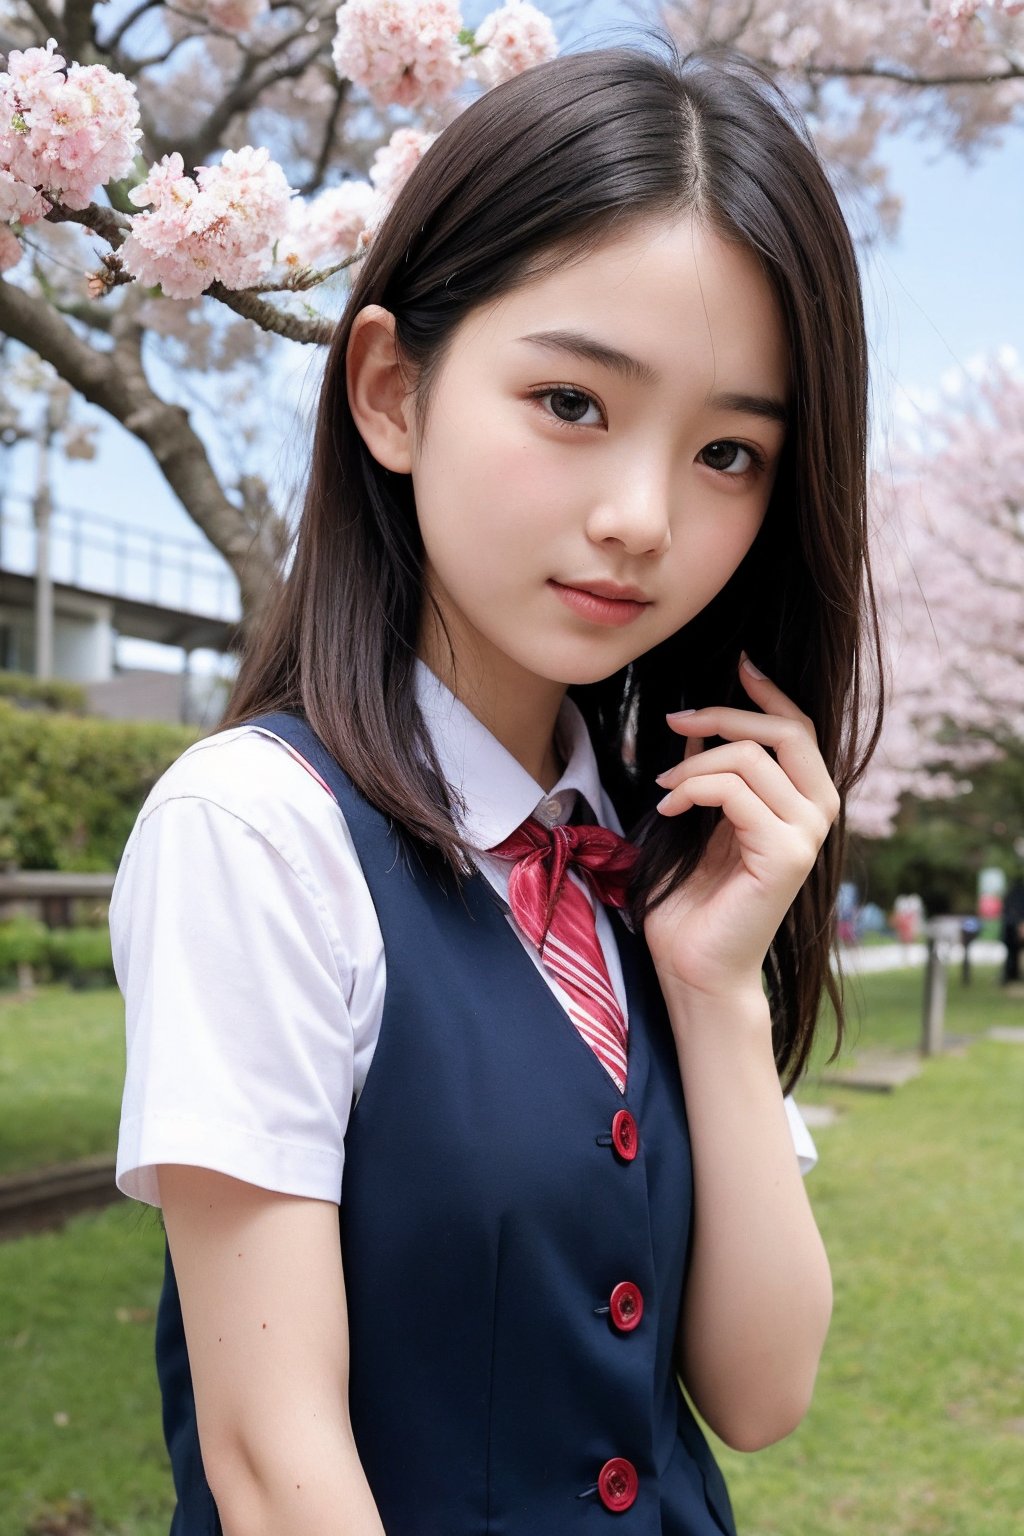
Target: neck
{"points": [[518, 709]]}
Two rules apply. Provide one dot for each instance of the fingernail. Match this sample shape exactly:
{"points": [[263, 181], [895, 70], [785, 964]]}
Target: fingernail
{"points": [[754, 671], [677, 714], [662, 803], [663, 778]]}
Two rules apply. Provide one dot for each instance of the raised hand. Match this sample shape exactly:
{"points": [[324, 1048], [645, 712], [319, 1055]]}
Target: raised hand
{"points": [[712, 935]]}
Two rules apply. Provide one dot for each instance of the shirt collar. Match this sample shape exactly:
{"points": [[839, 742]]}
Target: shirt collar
{"points": [[497, 791]]}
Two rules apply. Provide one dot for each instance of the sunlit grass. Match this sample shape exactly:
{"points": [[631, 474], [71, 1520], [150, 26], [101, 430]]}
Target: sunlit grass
{"points": [[917, 1428], [61, 1070]]}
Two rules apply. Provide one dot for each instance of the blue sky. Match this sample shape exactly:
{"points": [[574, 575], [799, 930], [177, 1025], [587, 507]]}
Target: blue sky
{"points": [[944, 292]]}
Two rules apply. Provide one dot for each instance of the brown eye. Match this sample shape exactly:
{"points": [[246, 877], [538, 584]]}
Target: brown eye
{"points": [[728, 457], [569, 404]]}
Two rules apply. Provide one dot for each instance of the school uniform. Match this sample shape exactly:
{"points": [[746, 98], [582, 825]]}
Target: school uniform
{"points": [[514, 1228]]}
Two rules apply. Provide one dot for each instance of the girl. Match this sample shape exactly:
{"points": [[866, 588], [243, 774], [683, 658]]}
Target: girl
{"points": [[591, 431]]}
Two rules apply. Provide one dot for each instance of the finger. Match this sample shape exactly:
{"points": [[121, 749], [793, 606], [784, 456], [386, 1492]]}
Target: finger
{"points": [[768, 694], [791, 850], [764, 775], [747, 812], [791, 737]]}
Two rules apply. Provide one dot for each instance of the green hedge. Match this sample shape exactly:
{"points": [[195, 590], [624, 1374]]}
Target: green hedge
{"points": [[72, 787], [80, 956], [32, 693]]}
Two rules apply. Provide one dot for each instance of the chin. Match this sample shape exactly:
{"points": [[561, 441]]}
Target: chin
{"points": [[581, 673]]}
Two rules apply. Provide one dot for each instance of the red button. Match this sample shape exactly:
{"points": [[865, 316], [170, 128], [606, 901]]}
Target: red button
{"points": [[617, 1484], [624, 1137], [627, 1305]]}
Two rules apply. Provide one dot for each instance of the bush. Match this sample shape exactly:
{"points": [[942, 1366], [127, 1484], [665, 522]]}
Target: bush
{"points": [[74, 785], [79, 956], [23, 941], [35, 693]]}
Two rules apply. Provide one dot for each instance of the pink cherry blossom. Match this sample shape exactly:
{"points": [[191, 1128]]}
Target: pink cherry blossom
{"points": [[949, 563], [403, 53], [512, 38], [219, 227], [236, 15], [65, 132], [19, 203], [10, 249], [396, 160], [328, 229], [228, 15]]}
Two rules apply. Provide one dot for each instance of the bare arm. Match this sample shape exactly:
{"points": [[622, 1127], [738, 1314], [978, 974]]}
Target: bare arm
{"points": [[263, 1302], [759, 1293]]}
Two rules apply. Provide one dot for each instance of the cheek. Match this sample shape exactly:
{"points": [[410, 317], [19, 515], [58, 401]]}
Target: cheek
{"points": [[720, 547], [492, 489]]}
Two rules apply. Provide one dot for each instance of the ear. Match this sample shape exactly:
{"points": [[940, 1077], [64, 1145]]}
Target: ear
{"points": [[378, 394]]}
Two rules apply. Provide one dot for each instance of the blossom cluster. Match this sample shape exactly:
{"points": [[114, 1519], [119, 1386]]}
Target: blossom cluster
{"points": [[237, 16], [404, 53], [219, 226], [951, 20], [63, 132], [416, 53], [66, 131], [511, 39], [948, 556], [342, 219]]}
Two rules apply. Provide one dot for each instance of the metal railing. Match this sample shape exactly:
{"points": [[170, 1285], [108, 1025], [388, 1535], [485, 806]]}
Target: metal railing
{"points": [[100, 554]]}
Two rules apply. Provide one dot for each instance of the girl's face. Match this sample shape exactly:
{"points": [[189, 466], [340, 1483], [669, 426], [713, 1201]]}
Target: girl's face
{"points": [[598, 455]]}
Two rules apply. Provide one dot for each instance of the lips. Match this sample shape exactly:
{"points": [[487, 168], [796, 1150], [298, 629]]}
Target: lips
{"points": [[609, 589], [602, 602]]}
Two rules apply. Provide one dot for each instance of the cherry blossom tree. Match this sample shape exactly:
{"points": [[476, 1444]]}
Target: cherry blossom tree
{"points": [[949, 556], [183, 186], [863, 69], [232, 159]]}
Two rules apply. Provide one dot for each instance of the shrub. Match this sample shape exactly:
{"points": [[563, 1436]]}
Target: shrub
{"points": [[81, 956], [73, 786], [36, 693], [23, 941]]}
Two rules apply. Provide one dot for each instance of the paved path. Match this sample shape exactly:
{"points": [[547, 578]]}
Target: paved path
{"points": [[903, 957]]}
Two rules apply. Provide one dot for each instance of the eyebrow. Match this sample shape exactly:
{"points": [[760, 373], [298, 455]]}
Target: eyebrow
{"points": [[578, 344]]}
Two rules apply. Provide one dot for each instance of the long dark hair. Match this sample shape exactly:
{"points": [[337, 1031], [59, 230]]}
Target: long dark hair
{"points": [[560, 159]]}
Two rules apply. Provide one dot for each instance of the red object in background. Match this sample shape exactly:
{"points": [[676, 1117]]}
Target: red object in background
{"points": [[906, 925], [990, 905]]}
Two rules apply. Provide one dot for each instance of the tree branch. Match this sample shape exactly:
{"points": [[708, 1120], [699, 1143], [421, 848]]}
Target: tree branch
{"points": [[45, 17], [315, 180], [906, 77], [77, 34], [112, 43], [115, 382], [248, 304], [114, 228], [249, 84], [901, 76], [111, 226]]}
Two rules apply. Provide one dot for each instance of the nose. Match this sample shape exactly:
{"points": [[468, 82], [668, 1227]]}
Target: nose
{"points": [[634, 513]]}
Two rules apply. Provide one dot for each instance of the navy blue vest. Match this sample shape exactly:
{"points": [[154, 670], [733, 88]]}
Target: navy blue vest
{"points": [[487, 1216]]}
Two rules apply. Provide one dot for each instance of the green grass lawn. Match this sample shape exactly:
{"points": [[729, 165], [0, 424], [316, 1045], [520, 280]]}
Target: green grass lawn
{"points": [[80, 1412], [917, 1427], [61, 1068]]}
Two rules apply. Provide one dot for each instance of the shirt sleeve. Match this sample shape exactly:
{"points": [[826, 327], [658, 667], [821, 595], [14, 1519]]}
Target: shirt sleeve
{"points": [[239, 1039], [803, 1142]]}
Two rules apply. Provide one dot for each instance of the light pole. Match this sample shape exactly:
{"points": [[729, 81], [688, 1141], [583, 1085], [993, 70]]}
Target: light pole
{"points": [[53, 420]]}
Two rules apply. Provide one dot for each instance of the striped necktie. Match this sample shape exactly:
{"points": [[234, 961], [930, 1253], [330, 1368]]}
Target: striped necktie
{"points": [[557, 918]]}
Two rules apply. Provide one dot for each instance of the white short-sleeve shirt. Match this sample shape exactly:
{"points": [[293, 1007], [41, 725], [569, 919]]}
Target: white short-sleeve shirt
{"points": [[248, 951]]}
